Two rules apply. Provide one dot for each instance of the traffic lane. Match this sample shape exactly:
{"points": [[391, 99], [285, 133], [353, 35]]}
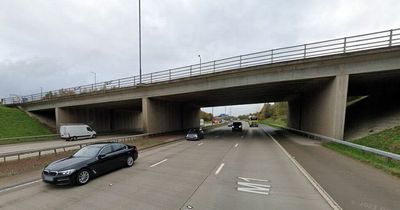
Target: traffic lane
{"points": [[142, 187], [353, 184], [44, 196], [255, 174]]}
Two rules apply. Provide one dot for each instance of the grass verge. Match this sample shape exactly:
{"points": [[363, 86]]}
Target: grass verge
{"points": [[387, 140], [281, 120], [389, 166]]}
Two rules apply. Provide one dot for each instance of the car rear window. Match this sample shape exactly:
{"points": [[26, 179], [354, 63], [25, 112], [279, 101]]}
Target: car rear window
{"points": [[117, 147]]}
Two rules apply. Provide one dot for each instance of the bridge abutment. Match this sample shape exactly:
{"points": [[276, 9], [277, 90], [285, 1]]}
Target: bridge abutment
{"points": [[322, 110]]}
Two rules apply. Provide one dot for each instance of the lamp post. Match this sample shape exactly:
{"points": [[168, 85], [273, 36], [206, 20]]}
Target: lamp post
{"points": [[200, 62], [95, 77], [212, 113], [140, 45]]}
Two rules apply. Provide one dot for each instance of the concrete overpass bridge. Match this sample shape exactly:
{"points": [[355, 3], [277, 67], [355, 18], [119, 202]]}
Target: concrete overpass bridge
{"points": [[315, 79]]}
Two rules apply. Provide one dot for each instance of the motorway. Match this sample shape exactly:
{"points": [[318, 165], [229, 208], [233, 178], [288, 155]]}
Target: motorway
{"points": [[241, 170], [353, 184]]}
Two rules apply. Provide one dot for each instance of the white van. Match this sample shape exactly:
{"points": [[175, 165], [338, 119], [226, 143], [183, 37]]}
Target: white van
{"points": [[74, 132]]}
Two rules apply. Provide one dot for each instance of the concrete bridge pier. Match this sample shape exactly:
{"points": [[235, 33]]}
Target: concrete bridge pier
{"points": [[166, 116], [321, 110]]}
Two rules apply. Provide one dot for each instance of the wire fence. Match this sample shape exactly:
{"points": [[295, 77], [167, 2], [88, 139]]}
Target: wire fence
{"points": [[349, 44]]}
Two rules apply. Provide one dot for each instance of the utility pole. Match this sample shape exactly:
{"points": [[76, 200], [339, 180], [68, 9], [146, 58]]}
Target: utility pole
{"points": [[95, 77], [200, 62], [140, 45]]}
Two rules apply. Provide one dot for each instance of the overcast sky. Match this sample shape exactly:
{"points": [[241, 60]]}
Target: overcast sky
{"points": [[57, 43]]}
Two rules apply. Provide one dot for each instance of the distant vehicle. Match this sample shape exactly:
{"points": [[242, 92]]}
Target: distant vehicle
{"points": [[230, 124], [74, 132], [237, 126], [253, 121], [89, 162], [195, 134]]}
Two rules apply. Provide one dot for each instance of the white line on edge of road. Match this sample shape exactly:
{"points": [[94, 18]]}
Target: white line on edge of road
{"points": [[236, 145], [155, 164], [20, 185], [219, 168], [200, 144], [313, 182]]}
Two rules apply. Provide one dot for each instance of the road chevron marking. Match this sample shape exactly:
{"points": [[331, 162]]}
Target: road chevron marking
{"points": [[314, 183], [200, 144]]}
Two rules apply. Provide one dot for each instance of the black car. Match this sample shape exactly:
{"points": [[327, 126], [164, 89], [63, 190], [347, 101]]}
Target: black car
{"points": [[89, 162], [195, 134], [237, 126]]}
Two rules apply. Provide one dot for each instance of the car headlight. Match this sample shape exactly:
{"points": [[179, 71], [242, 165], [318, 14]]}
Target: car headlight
{"points": [[67, 172], [240, 126]]}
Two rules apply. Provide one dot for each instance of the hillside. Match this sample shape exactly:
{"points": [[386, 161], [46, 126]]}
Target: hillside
{"points": [[16, 123]]}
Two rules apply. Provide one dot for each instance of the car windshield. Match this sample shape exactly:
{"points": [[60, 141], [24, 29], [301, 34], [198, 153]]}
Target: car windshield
{"points": [[89, 151], [192, 131], [237, 123]]}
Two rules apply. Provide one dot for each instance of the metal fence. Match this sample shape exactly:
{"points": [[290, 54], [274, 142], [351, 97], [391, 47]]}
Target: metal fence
{"points": [[382, 153], [349, 44], [64, 148]]}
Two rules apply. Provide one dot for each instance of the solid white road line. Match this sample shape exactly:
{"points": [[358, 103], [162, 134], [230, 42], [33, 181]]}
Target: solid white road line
{"points": [[219, 168], [20, 185], [236, 145], [318, 187], [155, 164], [200, 144]]}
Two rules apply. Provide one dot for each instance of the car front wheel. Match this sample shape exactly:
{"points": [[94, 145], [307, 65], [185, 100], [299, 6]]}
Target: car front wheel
{"points": [[129, 161], [83, 177]]}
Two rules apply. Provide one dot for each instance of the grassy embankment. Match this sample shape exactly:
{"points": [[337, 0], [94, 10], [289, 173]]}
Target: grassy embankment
{"points": [[387, 140], [279, 120], [16, 123]]}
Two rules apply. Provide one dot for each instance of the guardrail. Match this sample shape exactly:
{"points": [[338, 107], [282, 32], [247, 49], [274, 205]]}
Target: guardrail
{"points": [[344, 45], [382, 153], [18, 154], [24, 138]]}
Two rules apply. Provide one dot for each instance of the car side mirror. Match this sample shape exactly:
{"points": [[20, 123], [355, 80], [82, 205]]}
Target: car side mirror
{"points": [[101, 157]]}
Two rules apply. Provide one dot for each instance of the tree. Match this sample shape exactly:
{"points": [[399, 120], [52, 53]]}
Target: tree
{"points": [[205, 116]]}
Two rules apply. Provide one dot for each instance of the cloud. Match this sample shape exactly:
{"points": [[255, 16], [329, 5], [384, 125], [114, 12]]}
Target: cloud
{"points": [[62, 41]]}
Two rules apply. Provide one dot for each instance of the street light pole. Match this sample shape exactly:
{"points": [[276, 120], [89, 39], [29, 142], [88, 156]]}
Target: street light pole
{"points": [[140, 45], [95, 77], [200, 63], [212, 113]]}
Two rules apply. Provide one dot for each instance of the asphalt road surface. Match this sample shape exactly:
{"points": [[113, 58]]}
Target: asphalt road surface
{"points": [[240, 170], [352, 184]]}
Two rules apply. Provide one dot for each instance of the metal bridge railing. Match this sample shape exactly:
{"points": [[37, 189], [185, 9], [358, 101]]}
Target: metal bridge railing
{"points": [[362, 42], [381, 153]]}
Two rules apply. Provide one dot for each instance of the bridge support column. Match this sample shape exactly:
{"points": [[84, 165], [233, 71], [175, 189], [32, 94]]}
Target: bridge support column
{"points": [[322, 110], [164, 116], [190, 116], [98, 119]]}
